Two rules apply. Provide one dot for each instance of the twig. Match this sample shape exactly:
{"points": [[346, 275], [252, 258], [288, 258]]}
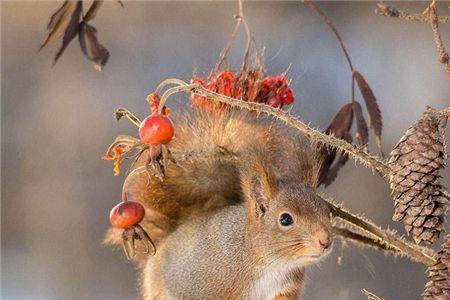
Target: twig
{"points": [[123, 112], [443, 55], [416, 253], [240, 18], [389, 11], [371, 296], [360, 239], [327, 21], [315, 9], [445, 194]]}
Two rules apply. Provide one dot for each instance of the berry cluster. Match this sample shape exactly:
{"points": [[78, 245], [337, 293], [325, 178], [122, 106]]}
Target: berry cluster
{"points": [[252, 86]]}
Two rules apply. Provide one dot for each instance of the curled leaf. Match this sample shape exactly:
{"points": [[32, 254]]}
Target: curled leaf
{"points": [[122, 145], [90, 46], [375, 120], [362, 132]]}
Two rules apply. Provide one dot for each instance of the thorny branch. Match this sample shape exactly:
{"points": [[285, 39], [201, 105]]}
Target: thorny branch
{"points": [[359, 154], [389, 11], [388, 239], [428, 16]]}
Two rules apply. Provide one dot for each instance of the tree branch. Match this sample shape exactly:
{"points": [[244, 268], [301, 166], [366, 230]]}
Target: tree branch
{"points": [[389, 11], [390, 240], [443, 55]]}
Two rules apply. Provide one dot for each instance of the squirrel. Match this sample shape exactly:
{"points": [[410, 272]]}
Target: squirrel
{"points": [[227, 228]]}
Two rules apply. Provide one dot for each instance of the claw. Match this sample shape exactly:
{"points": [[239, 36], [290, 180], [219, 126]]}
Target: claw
{"points": [[128, 236], [133, 233], [154, 166], [146, 240]]}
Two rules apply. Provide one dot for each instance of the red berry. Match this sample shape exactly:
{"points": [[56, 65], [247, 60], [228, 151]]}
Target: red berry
{"points": [[156, 129], [126, 214]]}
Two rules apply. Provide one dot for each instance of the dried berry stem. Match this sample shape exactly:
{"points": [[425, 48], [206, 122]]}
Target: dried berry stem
{"points": [[247, 46], [416, 253], [122, 112], [389, 11], [443, 55], [223, 54], [167, 82]]}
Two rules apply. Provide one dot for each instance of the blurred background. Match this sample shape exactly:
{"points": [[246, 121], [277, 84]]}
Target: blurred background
{"points": [[57, 123]]}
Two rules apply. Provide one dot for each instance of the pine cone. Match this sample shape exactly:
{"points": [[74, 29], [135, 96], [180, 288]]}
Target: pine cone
{"points": [[415, 163], [438, 286]]}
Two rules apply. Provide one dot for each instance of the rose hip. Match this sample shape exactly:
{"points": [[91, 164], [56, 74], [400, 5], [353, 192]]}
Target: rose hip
{"points": [[156, 129], [126, 214]]}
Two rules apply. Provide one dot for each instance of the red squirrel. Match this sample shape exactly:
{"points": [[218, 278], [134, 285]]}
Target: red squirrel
{"points": [[241, 226]]}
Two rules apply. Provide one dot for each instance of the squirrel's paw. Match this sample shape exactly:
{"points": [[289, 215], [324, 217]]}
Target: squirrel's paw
{"points": [[136, 232]]}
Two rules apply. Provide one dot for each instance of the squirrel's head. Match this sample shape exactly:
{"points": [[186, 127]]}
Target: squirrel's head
{"points": [[288, 222]]}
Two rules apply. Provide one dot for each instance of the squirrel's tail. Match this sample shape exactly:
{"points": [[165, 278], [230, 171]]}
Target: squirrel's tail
{"points": [[205, 174]]}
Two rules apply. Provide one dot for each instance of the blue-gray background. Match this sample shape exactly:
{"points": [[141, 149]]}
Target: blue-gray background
{"points": [[57, 123]]}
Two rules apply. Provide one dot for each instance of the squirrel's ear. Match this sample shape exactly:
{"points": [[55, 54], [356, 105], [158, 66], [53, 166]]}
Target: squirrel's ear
{"points": [[259, 189]]}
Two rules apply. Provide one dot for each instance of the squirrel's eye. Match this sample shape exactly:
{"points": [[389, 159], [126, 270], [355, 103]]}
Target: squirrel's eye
{"points": [[286, 219]]}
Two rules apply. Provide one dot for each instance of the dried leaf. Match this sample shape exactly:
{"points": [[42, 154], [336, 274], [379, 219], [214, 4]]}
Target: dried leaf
{"points": [[90, 46], [340, 126], [342, 122], [60, 21], [54, 19], [334, 169], [362, 132], [375, 120], [71, 30], [122, 145], [92, 12], [120, 3]]}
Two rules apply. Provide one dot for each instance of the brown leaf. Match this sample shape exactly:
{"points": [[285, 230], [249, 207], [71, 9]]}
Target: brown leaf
{"points": [[340, 127], [341, 122], [333, 171], [71, 30], [375, 120], [90, 46], [120, 3], [362, 132], [57, 15], [92, 12], [60, 21]]}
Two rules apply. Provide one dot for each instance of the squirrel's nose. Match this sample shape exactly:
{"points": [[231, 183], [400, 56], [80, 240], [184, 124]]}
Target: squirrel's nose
{"points": [[323, 239]]}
